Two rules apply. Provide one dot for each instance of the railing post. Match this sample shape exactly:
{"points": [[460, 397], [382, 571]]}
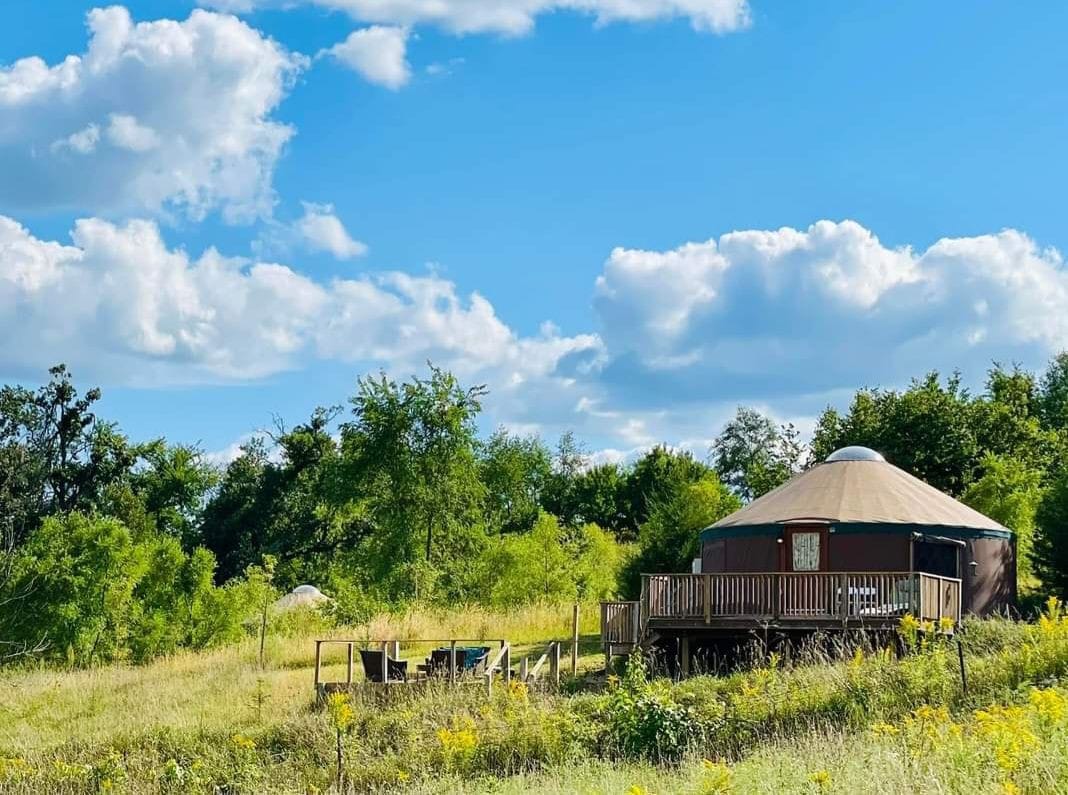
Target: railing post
{"points": [[452, 662], [776, 595], [554, 662], [385, 662], [843, 596], [318, 663], [707, 586], [943, 592], [349, 679], [523, 669], [506, 663]]}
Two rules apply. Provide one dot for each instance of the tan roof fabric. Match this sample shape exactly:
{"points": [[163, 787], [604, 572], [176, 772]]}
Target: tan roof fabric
{"points": [[858, 491]]}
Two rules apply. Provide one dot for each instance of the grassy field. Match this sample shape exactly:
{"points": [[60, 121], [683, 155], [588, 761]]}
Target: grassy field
{"points": [[866, 723]]}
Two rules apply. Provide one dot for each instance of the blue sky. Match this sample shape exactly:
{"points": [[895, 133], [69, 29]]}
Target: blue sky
{"points": [[505, 171]]}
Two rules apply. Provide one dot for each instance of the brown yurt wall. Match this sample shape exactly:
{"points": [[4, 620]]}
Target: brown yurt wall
{"points": [[990, 585], [758, 552], [869, 551]]}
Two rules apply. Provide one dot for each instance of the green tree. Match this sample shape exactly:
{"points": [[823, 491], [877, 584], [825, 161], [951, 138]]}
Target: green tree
{"points": [[295, 503], [599, 496], [927, 430], [1050, 555], [1010, 493], [1052, 395], [235, 521], [79, 574], [657, 477], [514, 471], [174, 482], [669, 539], [753, 455], [559, 497], [411, 448], [55, 455], [551, 564]]}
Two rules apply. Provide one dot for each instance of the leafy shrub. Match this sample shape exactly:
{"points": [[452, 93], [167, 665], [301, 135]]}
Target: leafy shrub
{"points": [[644, 720]]}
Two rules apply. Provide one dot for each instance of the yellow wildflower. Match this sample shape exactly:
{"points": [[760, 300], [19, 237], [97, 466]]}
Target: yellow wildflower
{"points": [[822, 779], [1049, 704], [717, 778], [339, 709], [517, 691], [243, 742], [14, 768], [945, 625], [885, 730]]}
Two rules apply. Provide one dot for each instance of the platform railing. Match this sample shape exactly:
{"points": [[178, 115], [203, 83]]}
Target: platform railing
{"points": [[848, 596]]}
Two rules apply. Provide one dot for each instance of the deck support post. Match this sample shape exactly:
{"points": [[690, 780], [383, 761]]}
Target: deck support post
{"points": [[684, 655]]}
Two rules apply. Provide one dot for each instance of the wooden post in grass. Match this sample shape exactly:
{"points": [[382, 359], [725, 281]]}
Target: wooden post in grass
{"points": [[385, 662], [318, 664], [554, 662], [349, 672], [574, 639], [452, 663]]}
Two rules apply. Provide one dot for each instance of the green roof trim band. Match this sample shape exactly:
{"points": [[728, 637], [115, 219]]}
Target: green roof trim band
{"points": [[714, 533]]}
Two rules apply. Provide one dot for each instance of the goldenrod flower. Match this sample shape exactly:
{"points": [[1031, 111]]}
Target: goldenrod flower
{"points": [[243, 742], [822, 779]]}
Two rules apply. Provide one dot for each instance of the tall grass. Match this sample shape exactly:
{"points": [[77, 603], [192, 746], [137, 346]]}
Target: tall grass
{"points": [[217, 722]]}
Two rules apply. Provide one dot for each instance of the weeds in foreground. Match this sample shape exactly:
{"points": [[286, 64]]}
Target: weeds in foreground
{"points": [[909, 713]]}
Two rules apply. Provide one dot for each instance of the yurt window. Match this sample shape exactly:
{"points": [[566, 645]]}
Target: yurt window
{"points": [[806, 551]]}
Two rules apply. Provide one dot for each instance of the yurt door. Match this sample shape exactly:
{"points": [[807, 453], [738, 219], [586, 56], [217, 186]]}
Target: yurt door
{"points": [[806, 549], [804, 591]]}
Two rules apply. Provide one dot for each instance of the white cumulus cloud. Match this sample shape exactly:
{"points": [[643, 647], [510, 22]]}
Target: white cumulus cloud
{"points": [[135, 310], [786, 313], [153, 116], [378, 53], [321, 230], [516, 17]]}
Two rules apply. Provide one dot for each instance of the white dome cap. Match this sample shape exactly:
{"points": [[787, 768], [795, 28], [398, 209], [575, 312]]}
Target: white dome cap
{"points": [[855, 453]]}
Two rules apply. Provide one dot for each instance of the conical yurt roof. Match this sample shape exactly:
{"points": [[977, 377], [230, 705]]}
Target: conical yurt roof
{"points": [[857, 485]]}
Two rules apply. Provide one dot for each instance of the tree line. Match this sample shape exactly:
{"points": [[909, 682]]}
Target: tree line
{"points": [[121, 549]]}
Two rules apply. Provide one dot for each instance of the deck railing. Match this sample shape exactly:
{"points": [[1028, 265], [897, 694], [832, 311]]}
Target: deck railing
{"points": [[851, 597], [620, 622]]}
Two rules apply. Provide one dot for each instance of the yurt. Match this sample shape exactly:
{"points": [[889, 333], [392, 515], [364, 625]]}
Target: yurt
{"points": [[302, 596], [856, 512]]}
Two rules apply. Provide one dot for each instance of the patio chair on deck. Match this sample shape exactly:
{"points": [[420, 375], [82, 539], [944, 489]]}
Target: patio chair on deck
{"points": [[438, 664], [478, 656], [372, 666]]}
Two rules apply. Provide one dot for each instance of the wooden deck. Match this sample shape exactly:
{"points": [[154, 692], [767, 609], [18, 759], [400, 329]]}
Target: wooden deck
{"points": [[797, 601]]}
